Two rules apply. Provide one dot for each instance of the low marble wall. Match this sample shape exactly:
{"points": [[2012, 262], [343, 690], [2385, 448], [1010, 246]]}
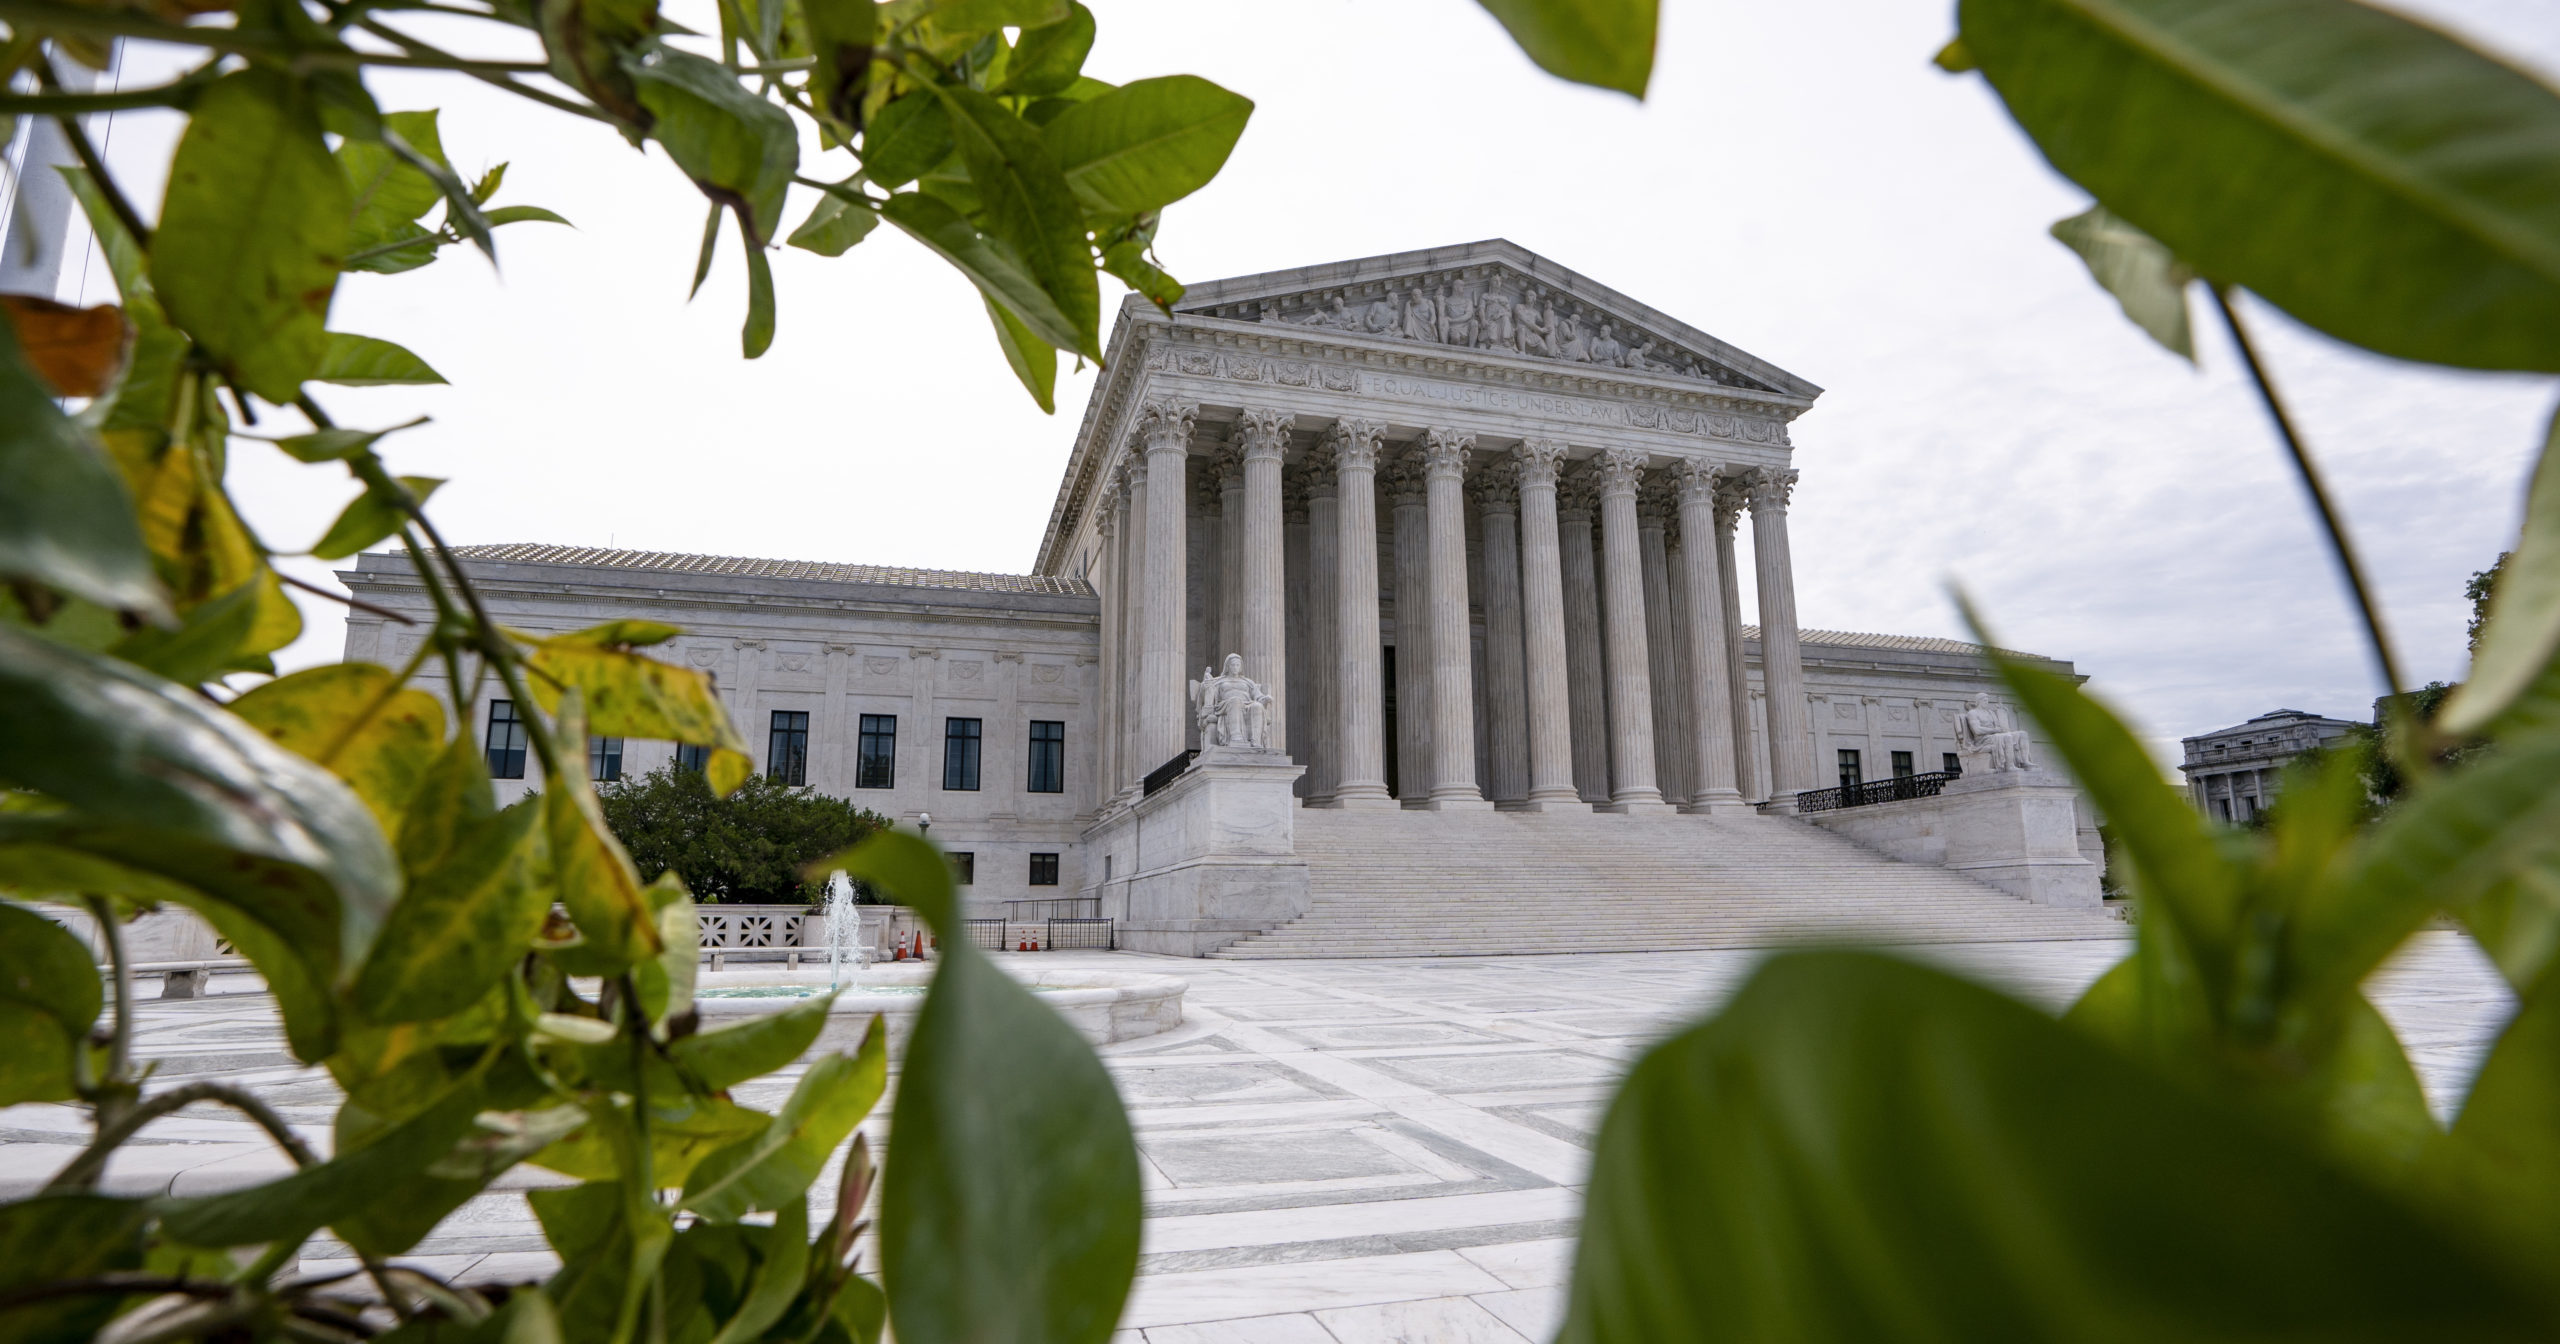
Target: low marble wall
{"points": [[2019, 831], [1212, 857]]}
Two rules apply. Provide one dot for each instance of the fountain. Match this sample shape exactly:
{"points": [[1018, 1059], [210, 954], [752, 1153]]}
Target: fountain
{"points": [[844, 930]]}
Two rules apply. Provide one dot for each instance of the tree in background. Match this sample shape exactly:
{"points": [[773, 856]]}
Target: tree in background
{"points": [[2482, 586], [749, 847]]}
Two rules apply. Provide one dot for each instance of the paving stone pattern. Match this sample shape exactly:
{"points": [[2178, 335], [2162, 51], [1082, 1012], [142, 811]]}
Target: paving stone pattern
{"points": [[1335, 1152]]}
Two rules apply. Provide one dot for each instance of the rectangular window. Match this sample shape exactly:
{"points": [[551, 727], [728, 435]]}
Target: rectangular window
{"points": [[1951, 764], [786, 759], [964, 868], [1048, 756], [604, 758], [1902, 765], [693, 758], [2222, 808], [960, 755], [876, 766], [1044, 870], [1850, 776], [506, 741]]}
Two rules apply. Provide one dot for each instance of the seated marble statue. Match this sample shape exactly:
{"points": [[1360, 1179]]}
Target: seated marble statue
{"points": [[1233, 709], [1984, 730]]}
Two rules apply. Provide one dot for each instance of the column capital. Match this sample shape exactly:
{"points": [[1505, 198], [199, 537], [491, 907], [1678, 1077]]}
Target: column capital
{"points": [[1262, 434], [1130, 476], [1620, 470], [1106, 523], [1770, 489], [1538, 461], [1293, 494], [1496, 491], [1164, 424], [1657, 499], [1732, 491], [1577, 494], [1697, 481], [1444, 452], [1353, 444], [1407, 478], [1318, 477], [1227, 466]]}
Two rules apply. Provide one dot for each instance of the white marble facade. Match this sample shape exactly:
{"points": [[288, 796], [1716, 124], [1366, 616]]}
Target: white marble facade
{"points": [[1476, 522]]}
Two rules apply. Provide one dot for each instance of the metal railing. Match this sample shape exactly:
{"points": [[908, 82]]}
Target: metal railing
{"points": [[987, 935], [1054, 907], [1094, 934], [1168, 772], [1878, 791]]}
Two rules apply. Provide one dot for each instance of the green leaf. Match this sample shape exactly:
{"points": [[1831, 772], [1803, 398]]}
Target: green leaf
{"points": [[362, 361], [66, 520], [2493, 821], [56, 1238], [665, 984], [683, 1130], [1141, 147], [904, 142], [782, 1264], [337, 445], [1048, 58], [596, 880], [588, 1226], [525, 214], [1858, 1148], [1029, 206], [757, 336], [153, 763], [1033, 361], [630, 694], [2148, 283], [957, 19], [461, 926], [203, 645], [1127, 260], [49, 999], [774, 1168], [739, 148], [2504, 1156], [370, 518], [1953, 58], [622, 634], [1604, 43], [1009, 1212], [833, 227], [388, 195], [2372, 176], [247, 250], [727, 1056], [840, 33], [990, 265], [2520, 643], [356, 720]]}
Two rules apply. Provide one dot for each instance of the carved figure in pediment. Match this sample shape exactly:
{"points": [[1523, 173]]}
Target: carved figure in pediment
{"points": [[1379, 318], [1421, 317], [1570, 340], [1336, 315], [1537, 326], [1458, 317], [1642, 357], [1494, 329], [1607, 350]]}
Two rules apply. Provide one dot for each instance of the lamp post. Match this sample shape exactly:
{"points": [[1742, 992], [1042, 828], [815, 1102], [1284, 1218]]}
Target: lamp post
{"points": [[924, 823]]}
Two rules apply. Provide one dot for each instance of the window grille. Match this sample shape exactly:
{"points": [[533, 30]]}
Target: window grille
{"points": [[786, 759], [960, 754], [1048, 757], [876, 765], [1044, 870], [1902, 767], [1851, 774], [694, 758], [506, 741], [604, 758]]}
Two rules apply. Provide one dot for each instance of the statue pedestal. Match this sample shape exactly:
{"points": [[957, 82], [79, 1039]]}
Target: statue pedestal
{"points": [[2017, 830], [1207, 859]]}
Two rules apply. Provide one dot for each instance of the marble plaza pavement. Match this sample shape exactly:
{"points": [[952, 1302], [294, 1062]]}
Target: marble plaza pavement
{"points": [[1335, 1152]]}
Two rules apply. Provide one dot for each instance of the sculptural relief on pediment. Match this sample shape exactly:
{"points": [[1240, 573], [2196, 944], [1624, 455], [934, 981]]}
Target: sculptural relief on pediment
{"points": [[1487, 308]]}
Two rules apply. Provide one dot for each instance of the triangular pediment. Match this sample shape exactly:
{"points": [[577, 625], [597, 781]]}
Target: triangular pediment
{"points": [[1496, 297]]}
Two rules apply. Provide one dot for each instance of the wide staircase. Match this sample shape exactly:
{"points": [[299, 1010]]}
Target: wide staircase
{"points": [[1411, 884]]}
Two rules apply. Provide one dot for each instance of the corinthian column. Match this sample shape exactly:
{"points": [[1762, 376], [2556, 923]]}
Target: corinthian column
{"points": [[1712, 781], [1748, 773], [1109, 526], [1164, 429], [1360, 684], [1781, 662], [1264, 436], [1229, 471], [1133, 622], [1631, 781], [1497, 493], [1662, 649], [1322, 733], [1550, 703], [1577, 497], [1453, 690], [1410, 495]]}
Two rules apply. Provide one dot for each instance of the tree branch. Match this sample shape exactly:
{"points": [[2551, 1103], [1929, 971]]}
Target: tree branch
{"points": [[49, 16], [345, 599], [84, 1169]]}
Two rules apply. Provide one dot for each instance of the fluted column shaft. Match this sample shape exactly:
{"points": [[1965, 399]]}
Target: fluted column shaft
{"points": [[1165, 429], [1713, 781], [1409, 496], [1631, 778], [1133, 623], [1113, 531], [1549, 711], [1232, 548], [1265, 436], [1586, 677], [1359, 682], [1748, 775], [1453, 681], [1323, 732], [1661, 650], [1505, 689], [1791, 765]]}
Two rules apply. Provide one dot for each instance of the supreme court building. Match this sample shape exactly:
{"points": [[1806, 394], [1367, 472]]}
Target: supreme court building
{"points": [[1471, 518]]}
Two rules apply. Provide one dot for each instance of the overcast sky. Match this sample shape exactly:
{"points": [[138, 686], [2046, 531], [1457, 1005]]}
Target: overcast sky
{"points": [[1802, 183]]}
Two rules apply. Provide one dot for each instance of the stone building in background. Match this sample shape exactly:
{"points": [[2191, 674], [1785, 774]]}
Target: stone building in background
{"points": [[2233, 773]]}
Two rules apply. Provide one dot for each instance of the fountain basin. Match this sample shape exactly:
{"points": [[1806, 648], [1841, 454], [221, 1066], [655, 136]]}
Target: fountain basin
{"points": [[1103, 1006]]}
